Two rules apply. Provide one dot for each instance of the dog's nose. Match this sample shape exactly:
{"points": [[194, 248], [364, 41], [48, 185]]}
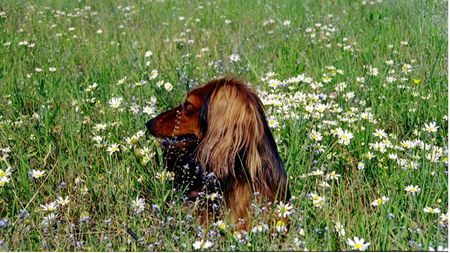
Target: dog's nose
{"points": [[150, 124]]}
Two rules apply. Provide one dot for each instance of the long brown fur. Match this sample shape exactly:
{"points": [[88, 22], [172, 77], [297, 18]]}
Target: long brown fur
{"points": [[234, 141]]}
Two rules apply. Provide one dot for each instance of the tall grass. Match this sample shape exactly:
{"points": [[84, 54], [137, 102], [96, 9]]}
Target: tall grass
{"points": [[52, 51]]}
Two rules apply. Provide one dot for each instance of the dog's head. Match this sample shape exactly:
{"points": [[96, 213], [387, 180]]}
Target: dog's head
{"points": [[182, 123], [226, 118]]}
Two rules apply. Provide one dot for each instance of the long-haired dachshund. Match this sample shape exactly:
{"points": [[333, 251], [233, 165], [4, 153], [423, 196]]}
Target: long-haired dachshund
{"points": [[221, 129]]}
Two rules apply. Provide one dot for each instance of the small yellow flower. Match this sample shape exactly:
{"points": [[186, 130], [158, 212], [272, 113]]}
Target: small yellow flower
{"points": [[417, 81], [221, 225]]}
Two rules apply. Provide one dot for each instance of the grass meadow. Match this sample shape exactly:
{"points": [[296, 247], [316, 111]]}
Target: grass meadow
{"points": [[355, 93]]}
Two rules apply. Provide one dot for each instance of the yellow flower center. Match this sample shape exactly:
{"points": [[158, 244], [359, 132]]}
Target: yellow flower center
{"points": [[280, 223]]}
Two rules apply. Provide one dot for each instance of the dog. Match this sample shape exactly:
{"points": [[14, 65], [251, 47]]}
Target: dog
{"points": [[222, 130]]}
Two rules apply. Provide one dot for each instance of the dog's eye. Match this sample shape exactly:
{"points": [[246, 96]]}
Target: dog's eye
{"points": [[186, 104]]}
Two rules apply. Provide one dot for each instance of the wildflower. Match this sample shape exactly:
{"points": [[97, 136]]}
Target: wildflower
{"points": [[284, 210], [49, 218], [52, 69], [99, 127], [361, 165], [317, 173], [121, 81], [235, 58], [345, 137], [4, 223], [160, 83], [390, 79], [431, 127], [138, 205], [320, 108], [221, 225], [379, 146], [332, 175], [148, 54], [315, 136], [140, 83], [37, 173], [432, 210], [260, 228], [301, 232], [280, 226], [148, 110], [4, 181], [309, 108], [319, 148], [389, 62], [380, 133], [113, 148], [298, 242], [406, 68], [237, 235], [202, 244], [412, 189], [324, 184], [408, 144], [63, 201], [115, 102], [153, 74], [133, 140], [339, 228], [286, 22], [369, 155], [84, 217], [380, 201], [169, 175], [358, 243], [50, 207], [326, 79], [349, 95], [134, 108], [393, 156], [5, 173], [213, 196], [274, 83], [91, 87], [373, 71], [367, 115], [168, 86], [318, 201], [439, 248], [272, 122]]}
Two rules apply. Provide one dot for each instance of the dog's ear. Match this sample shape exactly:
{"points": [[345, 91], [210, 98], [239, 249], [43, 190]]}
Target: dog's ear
{"points": [[232, 130]]}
